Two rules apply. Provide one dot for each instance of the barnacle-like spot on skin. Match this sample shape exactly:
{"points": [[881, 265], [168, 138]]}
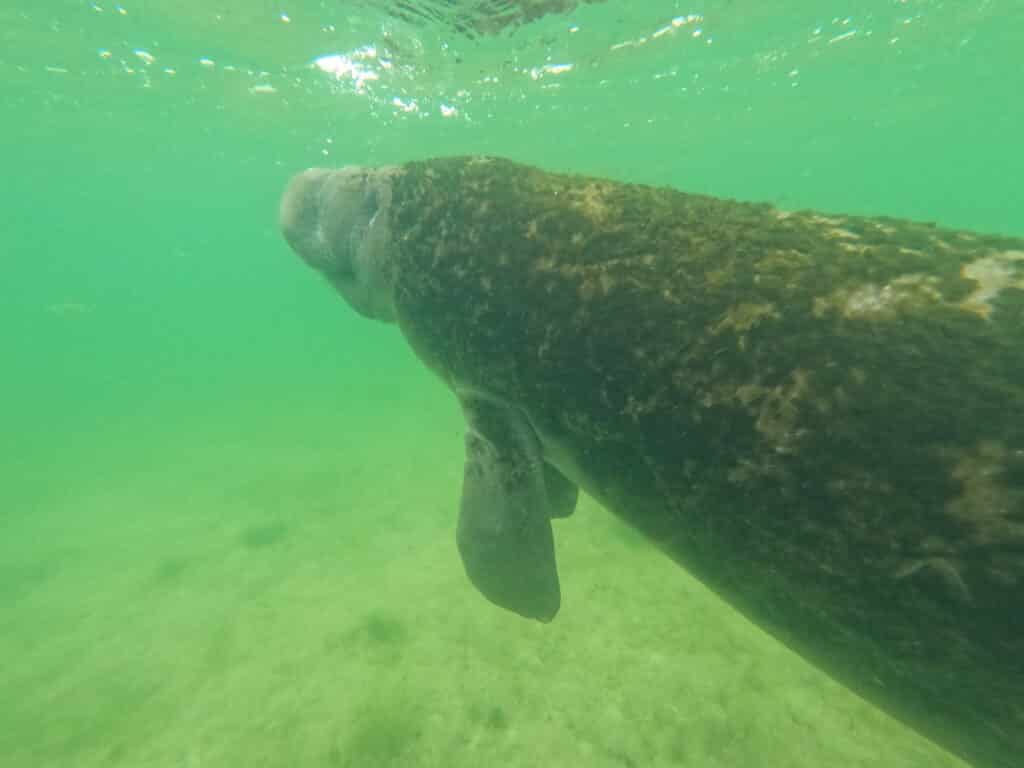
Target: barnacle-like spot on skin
{"points": [[545, 264], [634, 408], [607, 282], [858, 481], [829, 221], [779, 413], [750, 393], [992, 274], [987, 502], [748, 471], [843, 234], [589, 200], [775, 410], [593, 284], [742, 317], [868, 300], [589, 289], [670, 297], [990, 510], [901, 293], [582, 424], [716, 278], [858, 248]]}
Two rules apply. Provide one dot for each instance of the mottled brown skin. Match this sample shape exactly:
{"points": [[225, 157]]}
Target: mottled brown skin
{"points": [[821, 417]]}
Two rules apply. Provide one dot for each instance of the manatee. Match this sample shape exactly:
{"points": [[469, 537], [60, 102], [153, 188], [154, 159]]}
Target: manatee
{"points": [[819, 416]]}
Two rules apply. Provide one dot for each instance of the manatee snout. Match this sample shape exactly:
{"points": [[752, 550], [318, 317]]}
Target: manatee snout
{"points": [[300, 217], [337, 222]]}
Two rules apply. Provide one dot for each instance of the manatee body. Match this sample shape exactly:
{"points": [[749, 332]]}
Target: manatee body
{"points": [[819, 416]]}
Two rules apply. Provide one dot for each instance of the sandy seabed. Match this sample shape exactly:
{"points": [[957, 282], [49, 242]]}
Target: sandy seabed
{"points": [[291, 595]]}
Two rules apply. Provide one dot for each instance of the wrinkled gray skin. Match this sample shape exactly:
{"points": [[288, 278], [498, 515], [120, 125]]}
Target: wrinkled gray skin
{"points": [[337, 222]]}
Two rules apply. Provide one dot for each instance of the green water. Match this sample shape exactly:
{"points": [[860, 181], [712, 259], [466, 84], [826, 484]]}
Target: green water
{"points": [[228, 504]]}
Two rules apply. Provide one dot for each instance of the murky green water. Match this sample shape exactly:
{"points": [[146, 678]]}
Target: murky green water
{"points": [[227, 512]]}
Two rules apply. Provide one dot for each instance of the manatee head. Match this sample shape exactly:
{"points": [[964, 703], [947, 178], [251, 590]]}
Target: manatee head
{"points": [[338, 222]]}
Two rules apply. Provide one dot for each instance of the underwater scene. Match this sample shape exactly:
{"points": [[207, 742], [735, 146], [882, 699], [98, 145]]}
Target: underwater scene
{"points": [[716, 304]]}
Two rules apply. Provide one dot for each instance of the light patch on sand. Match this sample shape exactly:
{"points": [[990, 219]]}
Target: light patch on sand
{"points": [[993, 274]]}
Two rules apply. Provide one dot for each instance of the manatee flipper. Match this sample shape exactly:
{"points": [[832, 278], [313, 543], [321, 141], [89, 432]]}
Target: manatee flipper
{"points": [[504, 533], [561, 493]]}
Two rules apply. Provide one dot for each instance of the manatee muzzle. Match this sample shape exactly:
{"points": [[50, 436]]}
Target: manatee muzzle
{"points": [[336, 221]]}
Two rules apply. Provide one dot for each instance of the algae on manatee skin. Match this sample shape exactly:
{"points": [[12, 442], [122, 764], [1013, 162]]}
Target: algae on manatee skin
{"points": [[815, 414]]}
